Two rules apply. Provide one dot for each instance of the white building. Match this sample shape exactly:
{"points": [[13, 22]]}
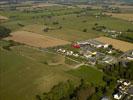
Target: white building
{"points": [[126, 83], [118, 96]]}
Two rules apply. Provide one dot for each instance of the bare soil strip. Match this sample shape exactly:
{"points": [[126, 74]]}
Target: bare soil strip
{"points": [[3, 17]]}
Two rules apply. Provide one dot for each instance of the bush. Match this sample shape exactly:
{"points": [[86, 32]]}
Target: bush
{"points": [[21, 25], [46, 29], [130, 30], [4, 32], [60, 27], [55, 23], [85, 30]]}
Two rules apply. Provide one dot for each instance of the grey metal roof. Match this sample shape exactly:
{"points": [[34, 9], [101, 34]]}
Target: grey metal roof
{"points": [[130, 90], [91, 41]]}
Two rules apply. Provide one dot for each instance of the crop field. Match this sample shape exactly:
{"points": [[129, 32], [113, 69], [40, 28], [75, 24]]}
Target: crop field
{"points": [[124, 16], [36, 40], [117, 44]]}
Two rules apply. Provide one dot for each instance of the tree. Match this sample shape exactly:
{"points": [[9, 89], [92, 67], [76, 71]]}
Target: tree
{"points": [[104, 90], [96, 24], [38, 97], [110, 46]]}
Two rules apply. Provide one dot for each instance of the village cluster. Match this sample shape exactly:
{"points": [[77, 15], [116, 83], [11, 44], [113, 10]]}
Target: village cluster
{"points": [[124, 90], [112, 33], [90, 51]]}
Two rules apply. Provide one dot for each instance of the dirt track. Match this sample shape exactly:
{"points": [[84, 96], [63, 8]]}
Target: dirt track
{"points": [[36, 40]]}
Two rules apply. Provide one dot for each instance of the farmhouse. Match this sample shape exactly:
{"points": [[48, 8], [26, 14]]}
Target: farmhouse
{"points": [[87, 51]]}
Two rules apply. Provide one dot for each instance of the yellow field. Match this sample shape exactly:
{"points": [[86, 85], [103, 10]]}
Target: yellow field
{"points": [[36, 40], [117, 44], [41, 5], [123, 16]]}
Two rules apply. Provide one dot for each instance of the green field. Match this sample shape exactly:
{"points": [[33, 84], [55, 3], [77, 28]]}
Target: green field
{"points": [[90, 74]]}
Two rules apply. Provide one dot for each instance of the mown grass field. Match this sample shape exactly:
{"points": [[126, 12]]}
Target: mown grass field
{"points": [[27, 71], [24, 73], [90, 74]]}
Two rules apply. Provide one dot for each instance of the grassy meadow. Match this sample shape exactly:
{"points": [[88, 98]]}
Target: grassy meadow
{"points": [[64, 23], [27, 71]]}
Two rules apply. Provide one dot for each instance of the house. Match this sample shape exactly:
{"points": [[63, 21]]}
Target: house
{"points": [[117, 96], [120, 81], [87, 51], [122, 88], [108, 59], [92, 61], [59, 50], [126, 83], [130, 57], [110, 52], [87, 56], [105, 98], [76, 55], [63, 51]]}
